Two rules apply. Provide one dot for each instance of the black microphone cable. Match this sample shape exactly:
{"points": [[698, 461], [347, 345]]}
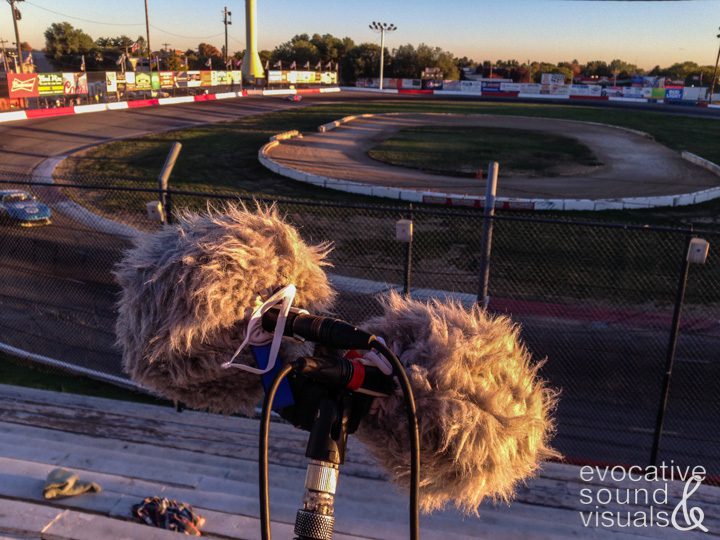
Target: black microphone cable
{"points": [[263, 457], [411, 413]]}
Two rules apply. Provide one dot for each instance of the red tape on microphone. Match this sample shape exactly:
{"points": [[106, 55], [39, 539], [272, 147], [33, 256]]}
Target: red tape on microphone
{"points": [[358, 376]]}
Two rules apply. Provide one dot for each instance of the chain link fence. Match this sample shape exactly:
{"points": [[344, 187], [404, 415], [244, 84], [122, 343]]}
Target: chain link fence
{"points": [[594, 299]]}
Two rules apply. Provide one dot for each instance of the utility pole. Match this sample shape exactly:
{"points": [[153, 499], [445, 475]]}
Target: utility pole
{"points": [[382, 27], [165, 46], [147, 31], [226, 21], [715, 74], [16, 16], [2, 47]]}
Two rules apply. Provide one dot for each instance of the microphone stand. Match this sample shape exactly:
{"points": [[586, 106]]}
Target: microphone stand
{"points": [[324, 405], [326, 451]]}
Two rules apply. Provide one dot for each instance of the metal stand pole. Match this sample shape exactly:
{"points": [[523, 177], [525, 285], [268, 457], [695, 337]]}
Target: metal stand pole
{"points": [[163, 181], [670, 359], [488, 220], [326, 450]]}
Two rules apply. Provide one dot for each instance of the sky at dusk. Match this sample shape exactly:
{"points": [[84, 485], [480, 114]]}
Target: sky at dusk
{"points": [[642, 32]]}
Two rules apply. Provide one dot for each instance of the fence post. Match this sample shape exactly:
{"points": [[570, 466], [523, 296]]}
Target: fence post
{"points": [[404, 233], [483, 297], [696, 251], [163, 181]]}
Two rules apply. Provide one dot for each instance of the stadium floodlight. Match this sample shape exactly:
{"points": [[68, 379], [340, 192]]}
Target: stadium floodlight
{"points": [[382, 28]]}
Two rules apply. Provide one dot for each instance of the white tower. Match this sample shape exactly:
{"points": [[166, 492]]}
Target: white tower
{"points": [[252, 68]]}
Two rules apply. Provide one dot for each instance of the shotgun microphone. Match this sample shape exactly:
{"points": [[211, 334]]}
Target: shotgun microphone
{"points": [[327, 331]]}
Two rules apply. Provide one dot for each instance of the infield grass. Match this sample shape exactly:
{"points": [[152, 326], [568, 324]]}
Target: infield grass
{"points": [[462, 151]]}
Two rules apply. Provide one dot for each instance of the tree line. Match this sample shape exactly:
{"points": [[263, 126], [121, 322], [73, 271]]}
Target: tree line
{"points": [[66, 45]]}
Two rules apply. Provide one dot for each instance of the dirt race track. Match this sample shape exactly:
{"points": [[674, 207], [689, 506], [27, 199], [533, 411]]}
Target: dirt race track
{"points": [[634, 165]]}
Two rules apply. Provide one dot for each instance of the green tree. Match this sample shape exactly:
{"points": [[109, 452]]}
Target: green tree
{"points": [[299, 49], [360, 62], [63, 41]]}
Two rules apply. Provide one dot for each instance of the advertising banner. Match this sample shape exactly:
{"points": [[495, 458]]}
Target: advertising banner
{"points": [[236, 76], [331, 77], [22, 85], [206, 78], [531, 88], [510, 87], [167, 79], [193, 79], [658, 93], [413, 84], [473, 87], [181, 79], [275, 76], [673, 93], [51, 84], [75, 83], [111, 81], [155, 80], [585, 90], [129, 80], [491, 87], [143, 81], [552, 78], [559, 90], [220, 78]]}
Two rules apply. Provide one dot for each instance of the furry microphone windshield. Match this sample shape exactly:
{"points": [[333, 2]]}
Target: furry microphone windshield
{"points": [[188, 291], [484, 414]]}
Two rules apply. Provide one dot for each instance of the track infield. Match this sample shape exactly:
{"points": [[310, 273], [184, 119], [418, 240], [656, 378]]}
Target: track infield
{"points": [[633, 164]]}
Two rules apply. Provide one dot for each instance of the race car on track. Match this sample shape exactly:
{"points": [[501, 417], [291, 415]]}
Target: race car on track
{"points": [[18, 206], [295, 98]]}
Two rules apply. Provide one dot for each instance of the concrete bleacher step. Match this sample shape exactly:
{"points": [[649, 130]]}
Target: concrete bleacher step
{"points": [[136, 450]]}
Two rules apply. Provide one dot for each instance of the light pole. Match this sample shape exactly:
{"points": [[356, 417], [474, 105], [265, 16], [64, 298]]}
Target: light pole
{"points": [[226, 20], [382, 27], [715, 74], [147, 31], [16, 17]]}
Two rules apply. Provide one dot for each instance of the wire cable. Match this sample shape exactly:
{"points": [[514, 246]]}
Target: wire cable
{"points": [[263, 457], [411, 412], [80, 18]]}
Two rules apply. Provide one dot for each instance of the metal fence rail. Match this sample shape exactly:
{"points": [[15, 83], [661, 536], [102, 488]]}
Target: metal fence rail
{"points": [[594, 299]]}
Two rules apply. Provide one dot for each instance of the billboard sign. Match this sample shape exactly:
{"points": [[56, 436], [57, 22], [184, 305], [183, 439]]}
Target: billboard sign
{"points": [[111, 81], [491, 87], [75, 83], [674, 93], [206, 78], [552, 78], [51, 84], [22, 85], [167, 79], [193, 79], [143, 81]]}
